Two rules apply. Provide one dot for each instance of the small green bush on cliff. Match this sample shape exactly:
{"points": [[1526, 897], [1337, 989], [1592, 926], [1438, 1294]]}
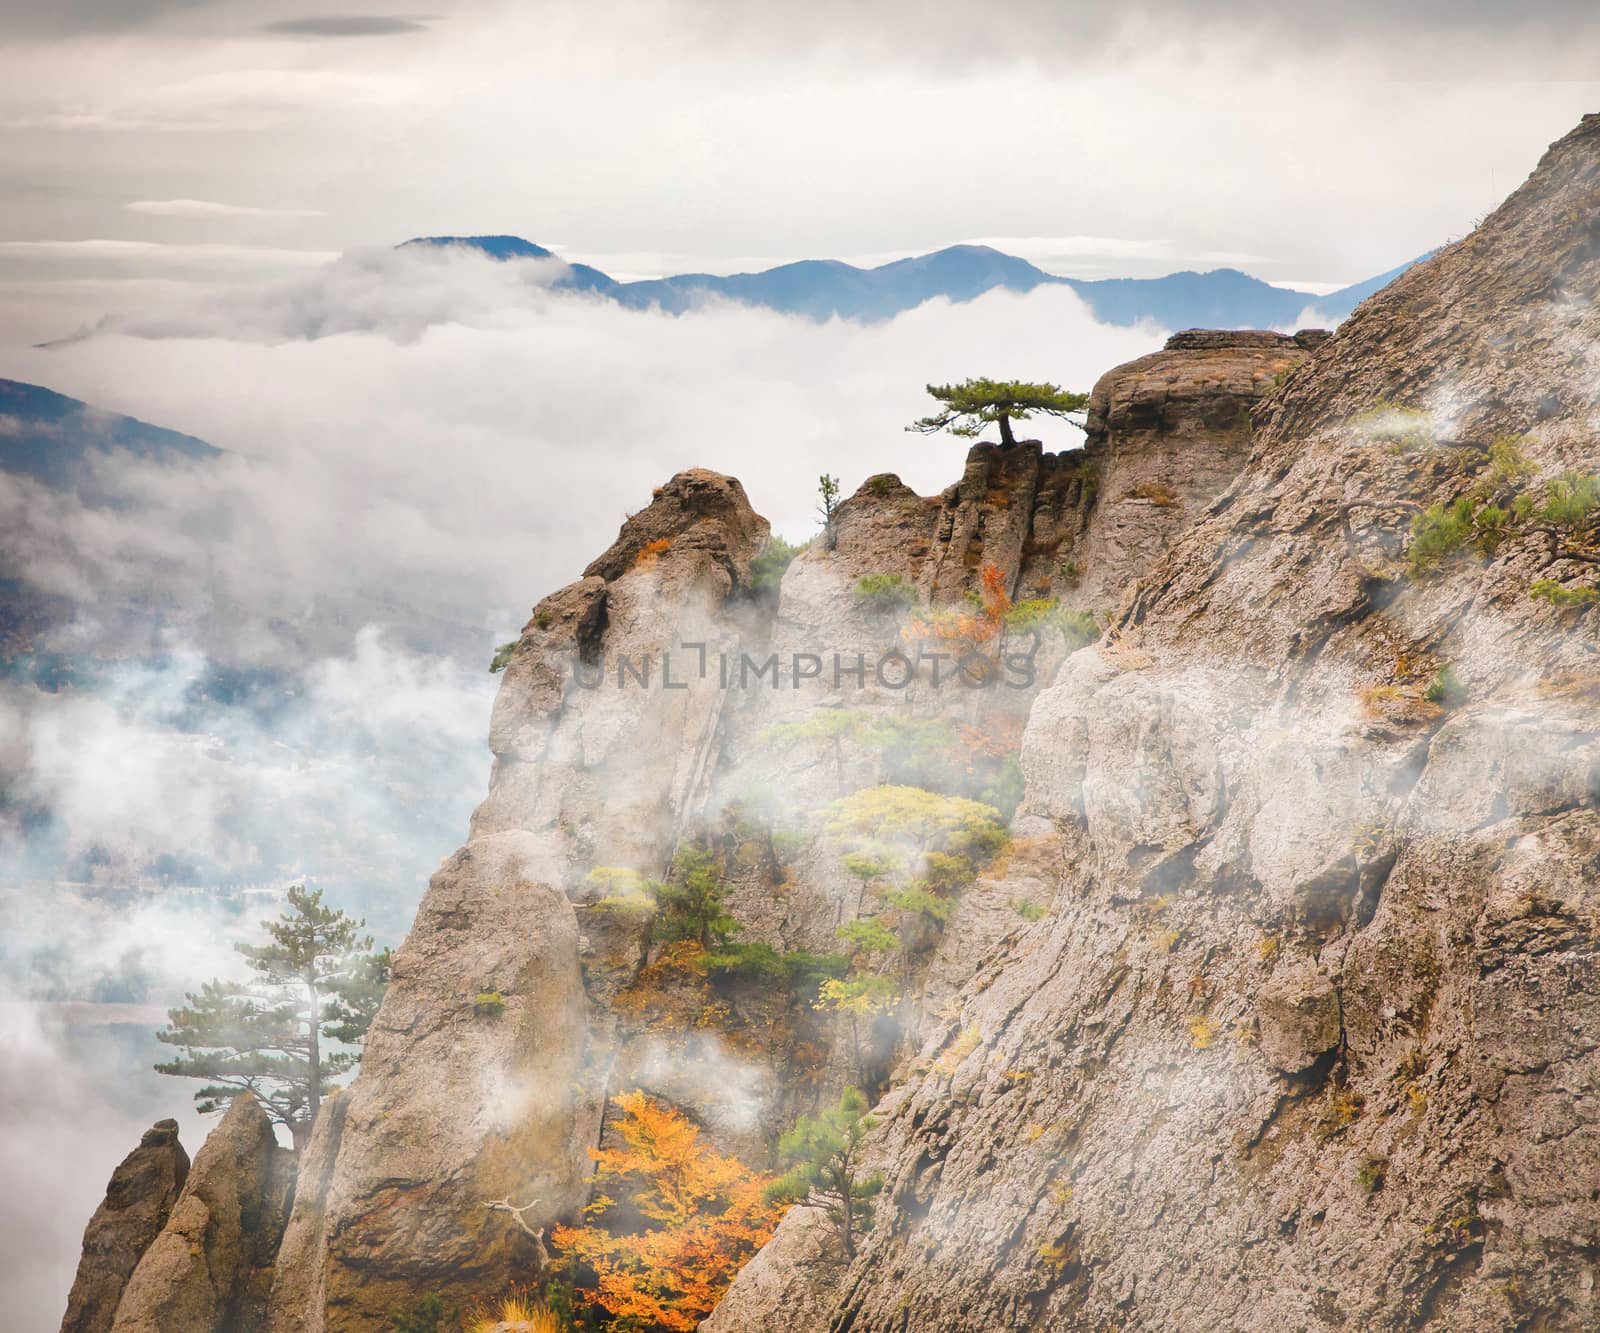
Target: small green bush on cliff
{"points": [[689, 905], [883, 594], [767, 569], [1562, 597], [796, 971], [1400, 429], [1445, 688], [826, 1172]]}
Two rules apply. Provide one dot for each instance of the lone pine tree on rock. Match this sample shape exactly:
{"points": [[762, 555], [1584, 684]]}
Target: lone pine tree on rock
{"points": [[973, 404], [316, 981]]}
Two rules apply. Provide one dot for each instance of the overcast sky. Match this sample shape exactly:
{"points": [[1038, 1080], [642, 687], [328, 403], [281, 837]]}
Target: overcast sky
{"points": [[152, 142]]}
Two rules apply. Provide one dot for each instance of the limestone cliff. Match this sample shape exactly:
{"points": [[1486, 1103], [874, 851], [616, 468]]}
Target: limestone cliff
{"points": [[603, 761], [1309, 1037]]}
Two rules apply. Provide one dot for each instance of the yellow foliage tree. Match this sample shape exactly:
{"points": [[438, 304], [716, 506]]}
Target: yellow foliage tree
{"points": [[670, 1224]]}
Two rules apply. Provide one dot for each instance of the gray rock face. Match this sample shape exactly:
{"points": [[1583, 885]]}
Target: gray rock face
{"points": [[138, 1202], [1309, 1037], [1167, 434], [209, 1268], [456, 1105]]}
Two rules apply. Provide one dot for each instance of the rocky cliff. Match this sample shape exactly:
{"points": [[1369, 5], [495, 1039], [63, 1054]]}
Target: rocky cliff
{"points": [[1308, 1039], [1278, 1008]]}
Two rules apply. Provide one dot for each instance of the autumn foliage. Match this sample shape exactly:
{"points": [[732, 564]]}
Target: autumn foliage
{"points": [[972, 630], [670, 1224], [650, 552]]}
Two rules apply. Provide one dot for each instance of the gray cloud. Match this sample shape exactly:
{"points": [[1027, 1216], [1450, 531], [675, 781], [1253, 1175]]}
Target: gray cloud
{"points": [[348, 25], [1045, 32]]}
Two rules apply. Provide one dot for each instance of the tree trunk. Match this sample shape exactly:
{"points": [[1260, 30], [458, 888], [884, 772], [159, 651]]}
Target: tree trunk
{"points": [[1006, 436], [314, 1052]]}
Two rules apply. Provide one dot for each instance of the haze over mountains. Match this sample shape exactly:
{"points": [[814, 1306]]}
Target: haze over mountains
{"points": [[827, 288]]}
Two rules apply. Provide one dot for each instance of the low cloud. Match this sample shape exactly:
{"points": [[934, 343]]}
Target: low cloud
{"points": [[206, 208]]}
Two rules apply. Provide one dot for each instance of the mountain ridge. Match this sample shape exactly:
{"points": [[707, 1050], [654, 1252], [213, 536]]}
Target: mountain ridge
{"points": [[823, 289], [49, 436]]}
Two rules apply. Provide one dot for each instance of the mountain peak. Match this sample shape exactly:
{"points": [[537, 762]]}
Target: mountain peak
{"points": [[496, 247]]}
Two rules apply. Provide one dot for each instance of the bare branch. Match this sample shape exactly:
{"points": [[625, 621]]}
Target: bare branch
{"points": [[506, 1206]]}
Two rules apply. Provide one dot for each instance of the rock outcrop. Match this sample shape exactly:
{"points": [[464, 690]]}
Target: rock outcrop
{"points": [[209, 1268], [1167, 434], [1310, 1036], [138, 1202]]}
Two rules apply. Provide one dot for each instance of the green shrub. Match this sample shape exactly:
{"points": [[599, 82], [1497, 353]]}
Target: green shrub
{"points": [[1557, 594], [621, 890], [1030, 614], [1445, 688], [884, 594], [767, 569], [869, 935], [1508, 463], [915, 897], [1400, 429], [1438, 531], [1077, 628], [1370, 1174], [502, 657], [826, 1172], [794, 970], [689, 905], [1028, 911], [1572, 499], [489, 1004]]}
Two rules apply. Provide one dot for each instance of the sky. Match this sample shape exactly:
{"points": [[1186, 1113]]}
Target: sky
{"points": [[147, 143], [421, 445]]}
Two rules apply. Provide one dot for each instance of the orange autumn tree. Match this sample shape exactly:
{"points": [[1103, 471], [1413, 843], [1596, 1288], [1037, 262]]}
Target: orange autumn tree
{"points": [[670, 1224], [969, 631]]}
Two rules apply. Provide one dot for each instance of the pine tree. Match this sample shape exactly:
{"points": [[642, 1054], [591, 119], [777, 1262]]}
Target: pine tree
{"points": [[973, 404], [316, 980], [689, 905], [827, 1173]]}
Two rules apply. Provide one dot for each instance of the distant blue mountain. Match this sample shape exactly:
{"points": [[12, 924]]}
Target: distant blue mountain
{"points": [[53, 438], [582, 278], [822, 289]]}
